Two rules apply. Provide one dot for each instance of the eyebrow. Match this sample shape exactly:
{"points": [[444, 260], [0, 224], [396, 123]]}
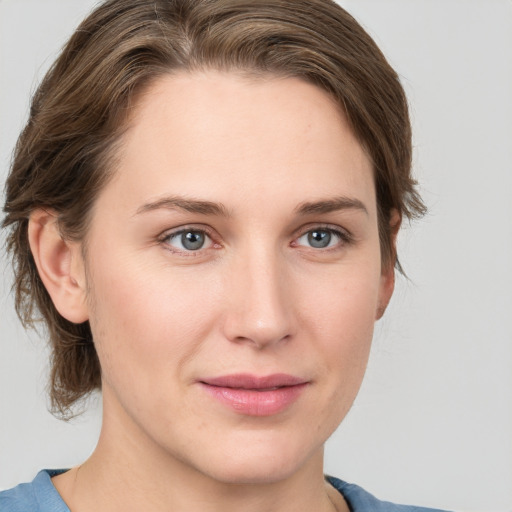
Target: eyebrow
{"points": [[210, 208], [186, 204], [330, 205]]}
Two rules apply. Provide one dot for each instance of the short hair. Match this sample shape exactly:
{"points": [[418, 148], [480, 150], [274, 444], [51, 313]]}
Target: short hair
{"points": [[63, 156]]}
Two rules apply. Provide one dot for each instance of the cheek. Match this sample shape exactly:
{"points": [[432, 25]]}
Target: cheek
{"points": [[146, 321], [343, 316], [341, 305]]}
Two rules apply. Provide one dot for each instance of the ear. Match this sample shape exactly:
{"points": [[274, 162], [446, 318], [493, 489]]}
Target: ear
{"points": [[60, 265], [387, 278]]}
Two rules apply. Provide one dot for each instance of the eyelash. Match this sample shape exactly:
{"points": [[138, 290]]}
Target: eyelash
{"points": [[344, 238], [168, 236]]}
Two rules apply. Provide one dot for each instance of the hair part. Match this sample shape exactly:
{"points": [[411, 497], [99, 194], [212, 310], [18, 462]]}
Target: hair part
{"points": [[66, 153]]}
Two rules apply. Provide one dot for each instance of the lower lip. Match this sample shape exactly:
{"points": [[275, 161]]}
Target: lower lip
{"points": [[252, 402]]}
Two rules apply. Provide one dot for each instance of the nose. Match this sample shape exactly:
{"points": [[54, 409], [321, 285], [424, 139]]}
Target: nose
{"points": [[260, 304]]}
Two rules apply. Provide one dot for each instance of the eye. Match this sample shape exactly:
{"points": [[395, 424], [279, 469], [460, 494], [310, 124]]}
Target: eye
{"points": [[188, 240], [322, 238]]}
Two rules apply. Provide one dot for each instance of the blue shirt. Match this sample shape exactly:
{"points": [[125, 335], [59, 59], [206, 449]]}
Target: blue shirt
{"points": [[40, 495]]}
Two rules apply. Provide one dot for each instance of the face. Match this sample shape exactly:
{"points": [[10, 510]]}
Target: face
{"points": [[234, 274]]}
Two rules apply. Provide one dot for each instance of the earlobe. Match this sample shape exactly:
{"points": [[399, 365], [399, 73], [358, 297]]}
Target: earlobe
{"points": [[60, 266], [387, 284], [386, 291]]}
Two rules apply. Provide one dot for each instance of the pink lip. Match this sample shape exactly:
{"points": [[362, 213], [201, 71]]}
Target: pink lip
{"points": [[253, 395]]}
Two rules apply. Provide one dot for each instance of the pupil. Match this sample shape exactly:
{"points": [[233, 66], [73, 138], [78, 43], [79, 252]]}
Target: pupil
{"points": [[319, 239], [192, 240]]}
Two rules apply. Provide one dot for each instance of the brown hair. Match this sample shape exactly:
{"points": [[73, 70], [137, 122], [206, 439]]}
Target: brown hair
{"points": [[61, 160]]}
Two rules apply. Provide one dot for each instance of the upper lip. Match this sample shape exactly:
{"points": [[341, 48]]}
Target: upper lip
{"points": [[248, 381]]}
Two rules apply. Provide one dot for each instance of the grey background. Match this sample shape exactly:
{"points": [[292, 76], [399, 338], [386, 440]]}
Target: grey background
{"points": [[433, 422]]}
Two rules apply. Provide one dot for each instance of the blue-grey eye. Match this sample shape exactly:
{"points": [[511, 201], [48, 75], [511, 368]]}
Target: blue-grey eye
{"points": [[189, 240], [320, 238], [192, 240]]}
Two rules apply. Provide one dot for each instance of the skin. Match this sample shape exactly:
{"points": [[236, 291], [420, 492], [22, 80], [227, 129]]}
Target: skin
{"points": [[257, 298]]}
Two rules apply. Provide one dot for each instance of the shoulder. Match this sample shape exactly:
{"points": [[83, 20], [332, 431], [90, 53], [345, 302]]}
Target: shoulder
{"points": [[37, 496], [360, 500]]}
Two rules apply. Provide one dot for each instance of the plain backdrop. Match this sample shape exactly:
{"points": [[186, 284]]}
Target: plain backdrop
{"points": [[433, 422]]}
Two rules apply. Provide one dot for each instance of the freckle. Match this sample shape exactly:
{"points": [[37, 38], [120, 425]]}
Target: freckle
{"points": [[201, 426]]}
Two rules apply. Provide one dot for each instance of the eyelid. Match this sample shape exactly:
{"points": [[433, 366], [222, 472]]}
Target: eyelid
{"points": [[174, 232], [344, 235]]}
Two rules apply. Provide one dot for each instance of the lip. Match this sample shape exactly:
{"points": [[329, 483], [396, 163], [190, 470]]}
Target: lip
{"points": [[255, 395]]}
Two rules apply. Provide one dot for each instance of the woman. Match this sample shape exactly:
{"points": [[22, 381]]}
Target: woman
{"points": [[203, 207]]}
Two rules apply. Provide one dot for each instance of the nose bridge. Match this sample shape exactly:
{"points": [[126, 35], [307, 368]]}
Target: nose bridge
{"points": [[260, 307]]}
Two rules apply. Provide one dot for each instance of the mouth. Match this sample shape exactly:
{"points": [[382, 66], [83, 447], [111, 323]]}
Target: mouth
{"points": [[254, 395]]}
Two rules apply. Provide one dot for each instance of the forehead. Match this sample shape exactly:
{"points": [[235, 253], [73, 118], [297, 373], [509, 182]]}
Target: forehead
{"points": [[222, 136]]}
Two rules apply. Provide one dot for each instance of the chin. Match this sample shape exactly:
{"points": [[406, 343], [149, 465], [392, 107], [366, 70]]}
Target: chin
{"points": [[249, 473], [261, 463]]}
